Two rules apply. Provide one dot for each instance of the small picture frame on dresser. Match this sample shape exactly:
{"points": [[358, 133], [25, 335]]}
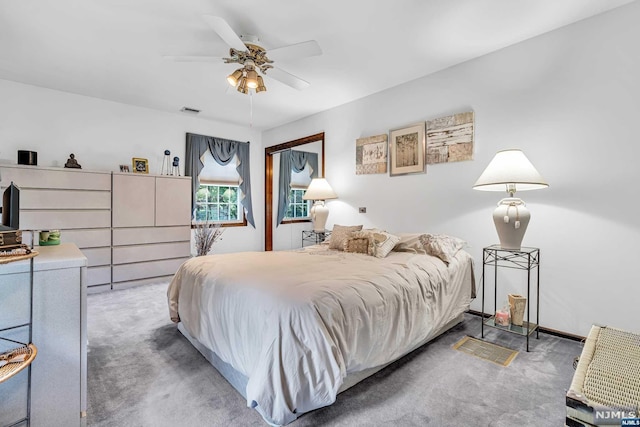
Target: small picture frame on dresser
{"points": [[140, 165], [124, 168]]}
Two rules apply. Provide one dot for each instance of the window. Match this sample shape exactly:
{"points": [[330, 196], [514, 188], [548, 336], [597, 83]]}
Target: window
{"points": [[218, 203], [218, 196], [298, 208], [232, 160]]}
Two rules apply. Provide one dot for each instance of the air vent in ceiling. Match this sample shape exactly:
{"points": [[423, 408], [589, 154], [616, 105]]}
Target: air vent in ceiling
{"points": [[189, 110]]}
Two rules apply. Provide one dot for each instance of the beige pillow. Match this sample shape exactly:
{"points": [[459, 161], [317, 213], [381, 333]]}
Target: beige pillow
{"points": [[381, 242], [443, 246], [360, 245], [340, 234], [410, 242]]}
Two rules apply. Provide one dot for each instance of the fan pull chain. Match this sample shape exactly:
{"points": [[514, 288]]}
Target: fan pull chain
{"points": [[251, 108]]}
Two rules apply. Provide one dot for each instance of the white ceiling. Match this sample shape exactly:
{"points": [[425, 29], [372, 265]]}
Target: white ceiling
{"points": [[113, 49]]}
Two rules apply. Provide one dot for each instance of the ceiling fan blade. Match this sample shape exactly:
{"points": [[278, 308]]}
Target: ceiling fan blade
{"points": [[193, 58], [225, 32], [296, 51], [288, 79]]}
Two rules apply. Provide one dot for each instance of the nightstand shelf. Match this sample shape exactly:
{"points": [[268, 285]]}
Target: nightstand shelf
{"points": [[314, 237], [524, 330], [527, 259]]}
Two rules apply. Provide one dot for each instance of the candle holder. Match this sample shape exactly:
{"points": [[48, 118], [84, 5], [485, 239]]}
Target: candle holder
{"points": [[503, 317]]}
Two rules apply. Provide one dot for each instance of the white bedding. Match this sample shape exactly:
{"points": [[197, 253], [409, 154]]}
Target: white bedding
{"points": [[295, 323]]}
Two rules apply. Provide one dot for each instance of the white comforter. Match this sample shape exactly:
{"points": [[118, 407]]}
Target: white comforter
{"points": [[295, 323]]}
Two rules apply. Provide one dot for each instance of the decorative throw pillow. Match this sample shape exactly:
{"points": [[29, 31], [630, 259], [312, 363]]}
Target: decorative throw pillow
{"points": [[443, 246], [340, 233], [360, 245], [381, 242], [410, 242]]}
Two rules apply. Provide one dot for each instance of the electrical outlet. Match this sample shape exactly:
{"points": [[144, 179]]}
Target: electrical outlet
{"points": [[362, 210]]}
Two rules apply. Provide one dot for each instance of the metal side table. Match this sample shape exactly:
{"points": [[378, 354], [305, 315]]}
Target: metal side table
{"points": [[527, 259]]}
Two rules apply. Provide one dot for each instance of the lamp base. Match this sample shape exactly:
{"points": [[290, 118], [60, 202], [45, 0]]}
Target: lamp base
{"points": [[319, 215], [511, 218]]}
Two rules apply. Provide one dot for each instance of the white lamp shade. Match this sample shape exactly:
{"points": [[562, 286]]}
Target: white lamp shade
{"points": [[319, 189], [510, 167]]}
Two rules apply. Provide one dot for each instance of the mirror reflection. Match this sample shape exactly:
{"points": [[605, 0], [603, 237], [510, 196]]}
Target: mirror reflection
{"points": [[290, 167]]}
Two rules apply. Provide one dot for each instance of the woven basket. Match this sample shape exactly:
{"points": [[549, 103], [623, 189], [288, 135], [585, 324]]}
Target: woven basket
{"points": [[10, 369]]}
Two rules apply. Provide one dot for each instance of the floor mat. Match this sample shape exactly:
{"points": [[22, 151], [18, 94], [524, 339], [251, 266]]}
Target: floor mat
{"points": [[485, 350]]}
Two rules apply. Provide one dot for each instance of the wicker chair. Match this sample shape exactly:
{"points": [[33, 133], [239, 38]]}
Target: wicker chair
{"points": [[606, 385]]}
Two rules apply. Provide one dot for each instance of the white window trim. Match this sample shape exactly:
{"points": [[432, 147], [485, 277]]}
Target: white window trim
{"points": [[241, 214], [298, 218]]}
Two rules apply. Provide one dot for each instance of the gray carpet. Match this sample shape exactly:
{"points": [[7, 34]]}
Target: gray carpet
{"points": [[143, 372]]}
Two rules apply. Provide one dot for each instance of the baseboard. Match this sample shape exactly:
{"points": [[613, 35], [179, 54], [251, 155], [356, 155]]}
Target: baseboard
{"points": [[548, 331]]}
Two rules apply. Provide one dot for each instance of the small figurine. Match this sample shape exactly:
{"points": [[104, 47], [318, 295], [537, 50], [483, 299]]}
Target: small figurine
{"points": [[165, 163], [176, 168], [72, 162]]}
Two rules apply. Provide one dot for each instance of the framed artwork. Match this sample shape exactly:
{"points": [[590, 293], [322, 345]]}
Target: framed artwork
{"points": [[371, 154], [450, 138], [140, 165], [406, 150]]}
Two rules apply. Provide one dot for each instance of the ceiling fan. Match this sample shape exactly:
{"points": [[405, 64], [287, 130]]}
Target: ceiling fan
{"points": [[246, 51]]}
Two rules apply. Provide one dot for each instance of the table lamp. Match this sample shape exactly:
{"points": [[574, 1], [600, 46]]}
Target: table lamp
{"points": [[510, 170], [319, 190]]}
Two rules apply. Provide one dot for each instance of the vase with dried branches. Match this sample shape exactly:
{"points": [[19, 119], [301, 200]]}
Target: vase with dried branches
{"points": [[205, 235]]}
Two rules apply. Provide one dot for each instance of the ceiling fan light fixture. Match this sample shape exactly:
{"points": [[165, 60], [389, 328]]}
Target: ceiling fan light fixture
{"points": [[234, 77], [242, 86], [253, 59], [261, 87], [252, 79]]}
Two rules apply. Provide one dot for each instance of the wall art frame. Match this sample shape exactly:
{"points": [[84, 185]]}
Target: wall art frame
{"points": [[372, 154], [407, 150], [450, 138]]}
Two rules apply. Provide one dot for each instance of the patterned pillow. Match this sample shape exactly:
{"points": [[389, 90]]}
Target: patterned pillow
{"points": [[443, 246], [340, 233], [360, 245], [410, 242], [381, 242]]}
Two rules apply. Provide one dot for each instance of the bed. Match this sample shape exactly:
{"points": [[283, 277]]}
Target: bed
{"points": [[291, 329]]}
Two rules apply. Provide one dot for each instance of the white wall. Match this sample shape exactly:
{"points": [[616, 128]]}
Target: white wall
{"points": [[104, 134], [569, 99]]}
